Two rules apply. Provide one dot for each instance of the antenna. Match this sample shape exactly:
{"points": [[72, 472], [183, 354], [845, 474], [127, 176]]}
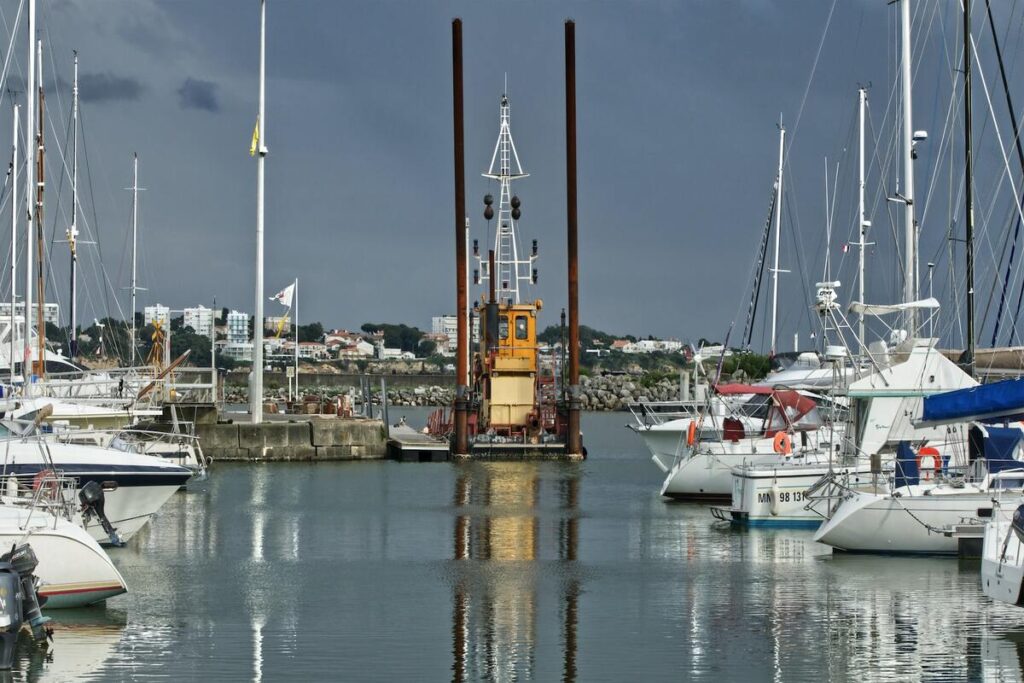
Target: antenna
{"points": [[510, 270]]}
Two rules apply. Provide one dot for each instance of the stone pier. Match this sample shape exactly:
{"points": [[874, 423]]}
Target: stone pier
{"points": [[287, 437]]}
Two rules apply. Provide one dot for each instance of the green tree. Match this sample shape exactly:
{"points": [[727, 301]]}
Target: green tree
{"points": [[312, 332], [427, 348], [397, 336]]}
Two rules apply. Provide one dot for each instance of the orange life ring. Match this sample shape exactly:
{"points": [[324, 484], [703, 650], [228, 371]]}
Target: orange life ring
{"points": [[691, 433], [782, 443], [929, 452]]}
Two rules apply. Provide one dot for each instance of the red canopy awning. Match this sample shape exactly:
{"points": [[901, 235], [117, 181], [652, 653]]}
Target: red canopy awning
{"points": [[734, 389]]}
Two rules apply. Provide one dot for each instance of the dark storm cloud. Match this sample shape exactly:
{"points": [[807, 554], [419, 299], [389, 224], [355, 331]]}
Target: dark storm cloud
{"points": [[198, 94], [678, 104], [108, 87]]}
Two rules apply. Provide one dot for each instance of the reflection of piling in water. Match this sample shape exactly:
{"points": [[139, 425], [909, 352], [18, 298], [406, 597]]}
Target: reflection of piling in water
{"points": [[496, 543], [568, 541]]}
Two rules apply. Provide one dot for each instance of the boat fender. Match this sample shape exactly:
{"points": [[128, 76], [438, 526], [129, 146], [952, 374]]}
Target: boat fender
{"points": [[691, 433], [12, 486], [775, 500], [782, 444]]}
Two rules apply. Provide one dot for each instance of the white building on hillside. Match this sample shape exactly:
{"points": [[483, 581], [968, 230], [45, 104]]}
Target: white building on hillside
{"points": [[200, 319], [157, 313], [51, 312], [651, 346], [448, 325], [238, 327]]}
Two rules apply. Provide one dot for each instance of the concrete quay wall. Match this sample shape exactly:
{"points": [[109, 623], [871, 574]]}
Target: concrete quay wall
{"points": [[304, 440]]}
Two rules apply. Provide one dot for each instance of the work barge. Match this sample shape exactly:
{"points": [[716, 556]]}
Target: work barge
{"points": [[510, 402]]}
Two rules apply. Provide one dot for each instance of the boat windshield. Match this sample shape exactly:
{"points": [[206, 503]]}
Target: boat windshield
{"points": [[119, 444], [756, 406], [1009, 480]]}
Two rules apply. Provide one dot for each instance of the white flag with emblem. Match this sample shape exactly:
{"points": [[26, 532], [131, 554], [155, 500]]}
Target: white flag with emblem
{"points": [[284, 297]]}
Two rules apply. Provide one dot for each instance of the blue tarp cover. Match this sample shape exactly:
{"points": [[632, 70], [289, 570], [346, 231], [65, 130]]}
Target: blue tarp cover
{"points": [[1000, 446], [999, 398], [906, 466]]}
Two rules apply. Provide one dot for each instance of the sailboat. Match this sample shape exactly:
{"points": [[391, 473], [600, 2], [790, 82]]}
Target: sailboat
{"points": [[917, 515]]}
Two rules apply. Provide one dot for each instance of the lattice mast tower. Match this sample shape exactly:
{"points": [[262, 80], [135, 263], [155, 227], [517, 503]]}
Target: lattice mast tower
{"points": [[511, 269]]}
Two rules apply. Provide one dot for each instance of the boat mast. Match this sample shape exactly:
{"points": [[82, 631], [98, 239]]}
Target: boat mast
{"points": [[135, 244], [968, 360], [778, 228], [256, 387], [910, 222], [295, 321], [40, 256], [73, 230], [30, 182], [862, 98], [14, 239]]}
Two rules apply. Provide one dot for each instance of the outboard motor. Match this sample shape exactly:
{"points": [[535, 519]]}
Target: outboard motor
{"points": [[24, 561], [93, 500], [10, 614], [19, 601], [1018, 522]]}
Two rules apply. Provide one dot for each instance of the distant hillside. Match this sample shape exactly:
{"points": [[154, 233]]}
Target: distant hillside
{"points": [[588, 335]]}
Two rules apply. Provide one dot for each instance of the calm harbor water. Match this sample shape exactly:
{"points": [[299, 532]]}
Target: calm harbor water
{"points": [[511, 571]]}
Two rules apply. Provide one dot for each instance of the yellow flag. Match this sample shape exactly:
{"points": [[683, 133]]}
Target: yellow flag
{"points": [[255, 138], [280, 325]]}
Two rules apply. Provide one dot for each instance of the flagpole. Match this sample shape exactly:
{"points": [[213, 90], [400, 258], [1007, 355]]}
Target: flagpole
{"points": [[256, 385], [295, 321]]}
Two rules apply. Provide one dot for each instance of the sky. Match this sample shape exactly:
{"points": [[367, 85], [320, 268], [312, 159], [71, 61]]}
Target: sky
{"points": [[678, 110]]}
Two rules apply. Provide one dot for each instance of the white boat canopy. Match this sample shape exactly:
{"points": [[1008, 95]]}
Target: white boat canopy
{"points": [[886, 309]]}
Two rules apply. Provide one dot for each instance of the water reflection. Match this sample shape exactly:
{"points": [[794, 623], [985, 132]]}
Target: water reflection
{"points": [[502, 550], [83, 640], [1002, 657], [479, 571]]}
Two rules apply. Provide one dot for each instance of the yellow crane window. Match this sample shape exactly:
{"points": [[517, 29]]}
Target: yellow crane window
{"points": [[503, 327], [521, 327]]}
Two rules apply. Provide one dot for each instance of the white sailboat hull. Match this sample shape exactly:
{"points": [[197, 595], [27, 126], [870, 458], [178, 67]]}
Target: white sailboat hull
{"points": [[1002, 561], [708, 476], [73, 568], [870, 523]]}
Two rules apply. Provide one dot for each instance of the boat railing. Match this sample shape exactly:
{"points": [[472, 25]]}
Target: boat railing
{"points": [[650, 413], [184, 384], [192, 385], [47, 490]]}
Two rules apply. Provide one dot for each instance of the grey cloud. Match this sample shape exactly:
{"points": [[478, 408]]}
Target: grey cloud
{"points": [[198, 94], [108, 87]]}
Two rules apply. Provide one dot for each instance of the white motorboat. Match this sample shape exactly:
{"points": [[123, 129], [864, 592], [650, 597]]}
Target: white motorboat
{"points": [[108, 414], [786, 494], [179, 447], [667, 438], [703, 470], [135, 485], [74, 570]]}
